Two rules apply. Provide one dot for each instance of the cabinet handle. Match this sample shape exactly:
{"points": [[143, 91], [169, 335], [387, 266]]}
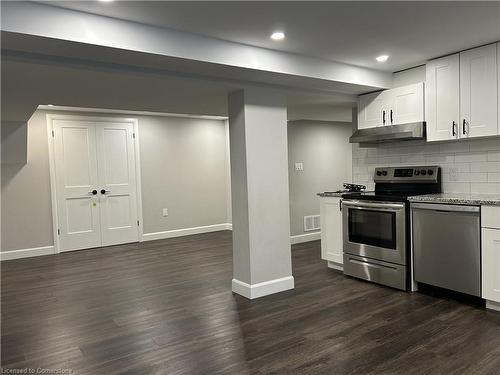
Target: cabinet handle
{"points": [[383, 117], [453, 128], [463, 127], [391, 117]]}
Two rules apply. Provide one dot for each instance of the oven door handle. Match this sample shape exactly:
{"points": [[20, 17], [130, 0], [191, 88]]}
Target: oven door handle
{"points": [[378, 206]]}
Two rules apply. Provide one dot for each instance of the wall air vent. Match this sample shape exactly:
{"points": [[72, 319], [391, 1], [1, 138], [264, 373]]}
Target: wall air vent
{"points": [[311, 223]]}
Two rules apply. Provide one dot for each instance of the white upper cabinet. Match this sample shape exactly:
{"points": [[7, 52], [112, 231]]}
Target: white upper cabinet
{"points": [[370, 110], [461, 95], [442, 93], [407, 104], [478, 92], [391, 107], [498, 92]]}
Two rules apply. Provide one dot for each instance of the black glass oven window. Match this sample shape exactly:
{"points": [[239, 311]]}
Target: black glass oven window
{"points": [[375, 228]]}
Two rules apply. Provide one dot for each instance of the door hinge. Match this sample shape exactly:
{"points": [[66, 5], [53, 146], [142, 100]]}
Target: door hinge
{"points": [[58, 232], [137, 222], [340, 205], [133, 135], [53, 134]]}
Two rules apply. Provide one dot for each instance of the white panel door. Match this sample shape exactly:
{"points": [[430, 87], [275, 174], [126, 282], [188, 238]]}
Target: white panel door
{"points": [[117, 182], [370, 111], [76, 178], [490, 250], [478, 92], [407, 104], [331, 230], [442, 98]]}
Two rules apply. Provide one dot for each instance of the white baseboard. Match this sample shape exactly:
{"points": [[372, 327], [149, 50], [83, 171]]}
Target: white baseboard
{"points": [[27, 253], [493, 305], [185, 232], [262, 289], [305, 237]]}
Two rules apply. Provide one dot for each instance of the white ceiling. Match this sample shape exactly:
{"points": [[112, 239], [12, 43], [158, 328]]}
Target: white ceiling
{"points": [[351, 32]]}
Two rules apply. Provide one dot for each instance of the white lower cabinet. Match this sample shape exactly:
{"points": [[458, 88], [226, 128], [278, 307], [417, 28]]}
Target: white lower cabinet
{"points": [[490, 251], [331, 230]]}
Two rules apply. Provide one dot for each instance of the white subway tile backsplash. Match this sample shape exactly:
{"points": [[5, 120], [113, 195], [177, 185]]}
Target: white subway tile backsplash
{"points": [[471, 156], [493, 155], [467, 165], [490, 166], [494, 177], [454, 147], [440, 158], [488, 188], [485, 145]]}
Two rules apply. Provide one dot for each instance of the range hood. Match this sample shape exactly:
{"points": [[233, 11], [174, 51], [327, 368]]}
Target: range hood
{"points": [[391, 133]]}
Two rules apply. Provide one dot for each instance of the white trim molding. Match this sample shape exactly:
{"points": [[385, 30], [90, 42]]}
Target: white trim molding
{"points": [[492, 305], [305, 237], [27, 253], [262, 289], [185, 232]]}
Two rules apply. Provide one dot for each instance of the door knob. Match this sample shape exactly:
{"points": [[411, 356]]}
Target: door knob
{"points": [[93, 192], [103, 191]]}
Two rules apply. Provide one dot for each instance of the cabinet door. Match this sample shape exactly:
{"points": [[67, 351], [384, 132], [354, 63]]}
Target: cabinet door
{"points": [[407, 104], [370, 110], [478, 92], [498, 92], [442, 98], [331, 230], [491, 264]]}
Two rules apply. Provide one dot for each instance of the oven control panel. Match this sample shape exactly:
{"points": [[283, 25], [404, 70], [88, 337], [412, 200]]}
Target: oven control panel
{"points": [[407, 174]]}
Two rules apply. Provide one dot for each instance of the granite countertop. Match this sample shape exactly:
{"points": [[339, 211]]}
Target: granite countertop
{"points": [[459, 198], [331, 194]]}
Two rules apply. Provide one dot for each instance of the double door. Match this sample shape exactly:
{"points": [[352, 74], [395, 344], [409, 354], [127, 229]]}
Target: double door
{"points": [[95, 178], [461, 95]]}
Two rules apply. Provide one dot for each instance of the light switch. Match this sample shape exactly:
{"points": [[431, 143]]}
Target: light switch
{"points": [[165, 212], [299, 166]]}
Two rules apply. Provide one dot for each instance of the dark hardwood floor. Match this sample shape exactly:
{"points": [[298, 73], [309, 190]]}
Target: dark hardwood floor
{"points": [[166, 307]]}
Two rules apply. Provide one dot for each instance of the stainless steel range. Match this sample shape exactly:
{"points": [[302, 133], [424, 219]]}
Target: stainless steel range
{"points": [[376, 225]]}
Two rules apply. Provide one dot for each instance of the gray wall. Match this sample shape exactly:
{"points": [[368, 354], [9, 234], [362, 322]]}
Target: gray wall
{"points": [[325, 151], [193, 185], [26, 205], [184, 167]]}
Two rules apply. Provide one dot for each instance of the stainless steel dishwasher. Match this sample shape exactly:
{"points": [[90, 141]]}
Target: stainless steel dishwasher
{"points": [[446, 246]]}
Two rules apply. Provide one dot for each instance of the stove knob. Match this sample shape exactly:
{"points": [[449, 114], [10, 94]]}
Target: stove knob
{"points": [[430, 172], [379, 173], [417, 172], [384, 173], [423, 172]]}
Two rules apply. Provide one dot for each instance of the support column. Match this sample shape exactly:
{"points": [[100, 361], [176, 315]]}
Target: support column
{"points": [[260, 200]]}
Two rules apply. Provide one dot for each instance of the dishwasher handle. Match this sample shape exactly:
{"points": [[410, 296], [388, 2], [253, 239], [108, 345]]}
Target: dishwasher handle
{"points": [[445, 207]]}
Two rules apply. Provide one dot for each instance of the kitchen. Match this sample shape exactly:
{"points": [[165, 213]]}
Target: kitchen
{"points": [[161, 164], [429, 153]]}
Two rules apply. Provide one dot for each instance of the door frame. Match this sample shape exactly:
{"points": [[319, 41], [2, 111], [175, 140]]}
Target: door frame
{"points": [[52, 167]]}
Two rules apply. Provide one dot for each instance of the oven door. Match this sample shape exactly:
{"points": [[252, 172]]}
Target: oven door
{"points": [[375, 230]]}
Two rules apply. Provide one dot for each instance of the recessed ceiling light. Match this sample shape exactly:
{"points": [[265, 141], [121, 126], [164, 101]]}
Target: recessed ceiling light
{"points": [[382, 58], [278, 35], [50, 105], [106, 1]]}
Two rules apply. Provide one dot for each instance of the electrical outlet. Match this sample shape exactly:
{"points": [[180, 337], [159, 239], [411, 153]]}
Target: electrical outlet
{"points": [[165, 212], [299, 166], [453, 174]]}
